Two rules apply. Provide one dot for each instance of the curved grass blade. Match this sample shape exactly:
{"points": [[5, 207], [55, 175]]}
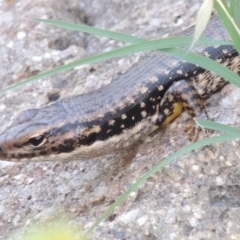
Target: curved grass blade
{"points": [[159, 166], [139, 47], [92, 30], [224, 13], [218, 127], [206, 63], [120, 36], [235, 11], [203, 17]]}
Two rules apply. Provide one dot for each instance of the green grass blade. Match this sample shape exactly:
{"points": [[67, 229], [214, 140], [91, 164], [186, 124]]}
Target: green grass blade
{"points": [[92, 30], [206, 63], [224, 13], [143, 46], [121, 36], [235, 10], [147, 45], [159, 166], [218, 127]]}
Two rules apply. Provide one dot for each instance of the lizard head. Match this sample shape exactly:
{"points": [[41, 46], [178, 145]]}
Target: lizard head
{"points": [[34, 135]]}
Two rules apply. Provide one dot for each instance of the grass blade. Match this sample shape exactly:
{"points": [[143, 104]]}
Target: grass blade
{"points": [[92, 30], [159, 166], [203, 17], [218, 126], [139, 47], [206, 63], [235, 11], [224, 12]]}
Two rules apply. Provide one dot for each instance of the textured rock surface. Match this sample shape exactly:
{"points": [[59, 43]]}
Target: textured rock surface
{"points": [[197, 197]]}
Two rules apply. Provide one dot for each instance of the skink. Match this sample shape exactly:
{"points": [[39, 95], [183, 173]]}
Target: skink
{"points": [[149, 95]]}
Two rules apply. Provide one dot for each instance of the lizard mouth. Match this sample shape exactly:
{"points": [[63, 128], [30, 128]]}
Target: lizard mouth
{"points": [[2, 152]]}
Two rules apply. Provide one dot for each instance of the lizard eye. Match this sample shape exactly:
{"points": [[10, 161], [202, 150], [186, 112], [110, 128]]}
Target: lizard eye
{"points": [[37, 141], [91, 139]]}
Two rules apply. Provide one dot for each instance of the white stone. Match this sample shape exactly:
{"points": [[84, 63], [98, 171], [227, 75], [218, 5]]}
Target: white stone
{"points": [[21, 35]]}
